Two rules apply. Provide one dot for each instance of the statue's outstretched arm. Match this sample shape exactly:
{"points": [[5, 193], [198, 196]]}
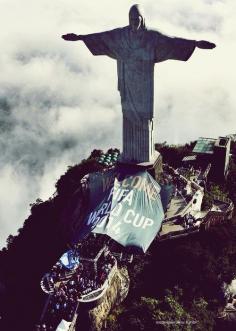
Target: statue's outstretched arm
{"points": [[100, 43], [205, 44], [72, 37]]}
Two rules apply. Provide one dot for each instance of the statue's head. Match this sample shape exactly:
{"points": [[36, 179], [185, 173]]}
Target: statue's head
{"points": [[136, 19]]}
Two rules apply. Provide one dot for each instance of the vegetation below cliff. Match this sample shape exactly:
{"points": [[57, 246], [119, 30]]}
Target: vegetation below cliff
{"points": [[175, 281]]}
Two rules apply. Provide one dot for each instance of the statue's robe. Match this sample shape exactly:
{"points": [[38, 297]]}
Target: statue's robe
{"points": [[136, 53]]}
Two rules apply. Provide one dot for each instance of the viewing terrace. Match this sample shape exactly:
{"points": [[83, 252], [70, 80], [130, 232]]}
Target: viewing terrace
{"points": [[184, 213], [86, 284]]}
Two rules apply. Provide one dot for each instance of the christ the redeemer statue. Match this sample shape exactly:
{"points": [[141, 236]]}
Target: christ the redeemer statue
{"points": [[136, 50]]}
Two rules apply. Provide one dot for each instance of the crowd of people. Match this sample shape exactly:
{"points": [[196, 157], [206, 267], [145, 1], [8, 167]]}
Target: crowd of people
{"points": [[59, 272], [181, 186], [92, 246], [188, 221], [105, 264], [189, 171], [172, 176], [67, 291]]}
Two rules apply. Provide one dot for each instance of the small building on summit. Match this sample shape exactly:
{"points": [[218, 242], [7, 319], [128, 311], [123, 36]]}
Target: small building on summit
{"points": [[213, 152]]}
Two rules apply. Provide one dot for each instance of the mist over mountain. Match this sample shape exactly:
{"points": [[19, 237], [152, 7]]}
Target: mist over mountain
{"points": [[58, 102]]}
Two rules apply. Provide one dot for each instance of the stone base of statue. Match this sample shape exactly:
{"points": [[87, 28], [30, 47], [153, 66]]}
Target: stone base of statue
{"points": [[154, 166], [138, 143]]}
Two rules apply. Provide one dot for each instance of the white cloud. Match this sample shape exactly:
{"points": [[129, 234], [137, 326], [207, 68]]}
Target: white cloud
{"points": [[59, 102]]}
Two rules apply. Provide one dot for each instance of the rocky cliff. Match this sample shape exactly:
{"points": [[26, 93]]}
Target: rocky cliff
{"points": [[93, 319]]}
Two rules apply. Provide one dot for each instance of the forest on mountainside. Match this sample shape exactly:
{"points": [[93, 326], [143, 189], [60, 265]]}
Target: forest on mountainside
{"points": [[177, 280]]}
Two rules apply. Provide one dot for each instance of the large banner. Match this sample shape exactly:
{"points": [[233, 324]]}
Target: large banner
{"points": [[125, 205], [167, 191]]}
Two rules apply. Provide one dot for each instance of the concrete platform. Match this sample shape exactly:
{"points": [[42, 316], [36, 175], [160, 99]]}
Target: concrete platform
{"points": [[177, 204], [154, 167]]}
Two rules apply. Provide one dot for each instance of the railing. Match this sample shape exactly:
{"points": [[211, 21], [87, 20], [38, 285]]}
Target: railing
{"points": [[198, 187], [211, 218], [223, 199], [216, 217], [194, 185], [94, 295], [178, 234]]}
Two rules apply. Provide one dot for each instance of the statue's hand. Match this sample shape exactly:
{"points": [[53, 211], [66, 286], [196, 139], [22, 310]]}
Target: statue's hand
{"points": [[71, 37], [205, 44]]}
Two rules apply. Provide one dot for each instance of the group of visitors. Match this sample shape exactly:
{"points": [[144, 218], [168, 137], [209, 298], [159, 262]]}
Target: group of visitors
{"points": [[180, 186], [58, 272], [67, 291], [189, 171], [91, 247], [105, 265], [189, 221]]}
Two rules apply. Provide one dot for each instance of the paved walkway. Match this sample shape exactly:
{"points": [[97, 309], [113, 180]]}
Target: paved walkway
{"points": [[177, 204], [170, 227]]}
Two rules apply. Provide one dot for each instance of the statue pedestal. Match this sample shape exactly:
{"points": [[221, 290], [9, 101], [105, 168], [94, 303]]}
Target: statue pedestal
{"points": [[154, 167]]}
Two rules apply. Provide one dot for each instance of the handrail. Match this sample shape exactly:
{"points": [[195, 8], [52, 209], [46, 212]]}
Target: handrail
{"points": [[214, 196], [90, 296], [179, 233], [206, 220], [222, 199], [102, 288]]}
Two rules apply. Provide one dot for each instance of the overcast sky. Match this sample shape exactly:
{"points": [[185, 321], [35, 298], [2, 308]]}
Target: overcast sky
{"points": [[58, 102]]}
